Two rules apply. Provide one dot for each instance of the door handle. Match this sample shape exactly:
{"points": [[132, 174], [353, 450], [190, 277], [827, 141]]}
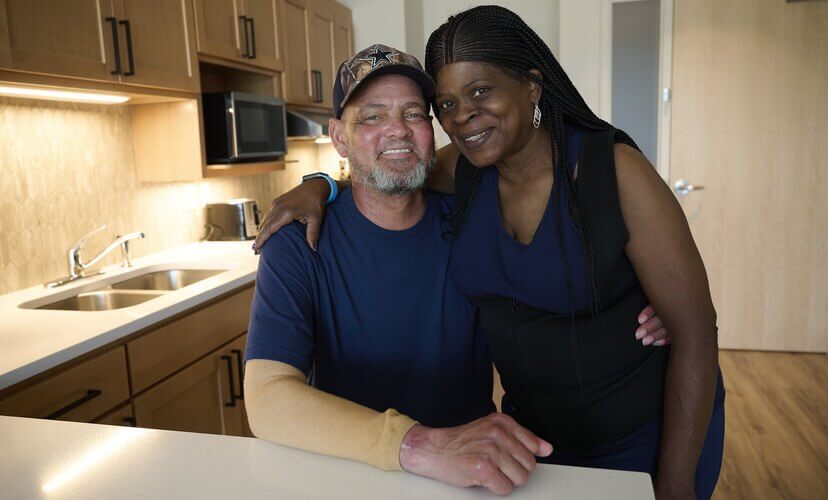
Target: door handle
{"points": [[683, 188], [89, 396], [229, 362], [115, 45], [246, 52], [252, 54], [128, 31], [240, 367]]}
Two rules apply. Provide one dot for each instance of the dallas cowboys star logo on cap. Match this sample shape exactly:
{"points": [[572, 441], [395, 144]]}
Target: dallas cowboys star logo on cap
{"points": [[379, 56]]}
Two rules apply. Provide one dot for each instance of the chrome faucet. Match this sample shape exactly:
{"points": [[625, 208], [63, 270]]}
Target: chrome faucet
{"points": [[77, 268]]}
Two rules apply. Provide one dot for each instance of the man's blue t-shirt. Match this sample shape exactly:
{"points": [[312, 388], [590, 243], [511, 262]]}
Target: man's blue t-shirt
{"points": [[373, 316]]}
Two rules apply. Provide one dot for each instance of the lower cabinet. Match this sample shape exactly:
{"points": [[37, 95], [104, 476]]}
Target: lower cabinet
{"points": [[184, 375], [207, 396]]}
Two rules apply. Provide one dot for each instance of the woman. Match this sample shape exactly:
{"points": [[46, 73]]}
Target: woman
{"points": [[563, 231]]}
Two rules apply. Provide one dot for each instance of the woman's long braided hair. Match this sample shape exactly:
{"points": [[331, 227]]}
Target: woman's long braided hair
{"points": [[497, 36]]}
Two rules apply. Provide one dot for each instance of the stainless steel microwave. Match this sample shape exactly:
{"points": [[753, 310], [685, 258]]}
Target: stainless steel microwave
{"points": [[241, 127]]}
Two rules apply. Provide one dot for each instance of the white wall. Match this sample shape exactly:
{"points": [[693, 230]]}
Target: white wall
{"points": [[378, 21], [580, 48], [407, 24]]}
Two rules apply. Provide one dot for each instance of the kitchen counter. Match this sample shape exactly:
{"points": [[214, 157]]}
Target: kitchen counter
{"points": [[35, 340], [44, 458]]}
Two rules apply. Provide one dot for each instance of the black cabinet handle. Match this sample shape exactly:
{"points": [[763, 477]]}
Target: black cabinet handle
{"points": [[132, 421], [128, 31], [240, 366], [229, 361], [246, 52], [317, 85], [90, 395], [252, 38], [115, 45]]}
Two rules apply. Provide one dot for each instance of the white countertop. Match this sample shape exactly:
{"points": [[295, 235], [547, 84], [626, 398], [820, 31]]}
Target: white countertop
{"points": [[51, 459], [34, 340]]}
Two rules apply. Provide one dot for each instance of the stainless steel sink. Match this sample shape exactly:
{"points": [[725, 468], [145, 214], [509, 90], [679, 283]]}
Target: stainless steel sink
{"points": [[102, 300], [171, 279]]}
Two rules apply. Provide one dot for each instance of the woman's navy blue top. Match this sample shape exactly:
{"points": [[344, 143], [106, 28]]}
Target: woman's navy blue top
{"points": [[504, 266]]}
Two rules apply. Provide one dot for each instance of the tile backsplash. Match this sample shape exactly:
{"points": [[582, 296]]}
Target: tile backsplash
{"points": [[66, 169]]}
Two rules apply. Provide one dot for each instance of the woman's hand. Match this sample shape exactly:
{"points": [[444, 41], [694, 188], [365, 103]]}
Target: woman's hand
{"points": [[652, 330], [304, 203]]}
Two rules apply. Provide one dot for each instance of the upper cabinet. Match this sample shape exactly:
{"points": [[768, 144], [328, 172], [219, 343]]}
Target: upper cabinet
{"points": [[318, 38], [242, 31], [146, 43], [59, 37], [160, 44]]}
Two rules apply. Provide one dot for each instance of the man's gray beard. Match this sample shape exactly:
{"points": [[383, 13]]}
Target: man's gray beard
{"points": [[392, 183]]}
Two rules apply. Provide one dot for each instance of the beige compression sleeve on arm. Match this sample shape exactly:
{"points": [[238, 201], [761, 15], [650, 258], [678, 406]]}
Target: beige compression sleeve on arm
{"points": [[283, 408]]}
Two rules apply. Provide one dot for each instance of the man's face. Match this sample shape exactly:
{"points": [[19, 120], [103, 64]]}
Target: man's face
{"points": [[386, 133]]}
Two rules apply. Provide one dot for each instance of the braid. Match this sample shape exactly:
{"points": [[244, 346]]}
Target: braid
{"points": [[496, 36]]}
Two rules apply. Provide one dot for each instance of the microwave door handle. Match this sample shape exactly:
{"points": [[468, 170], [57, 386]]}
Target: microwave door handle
{"points": [[234, 135]]}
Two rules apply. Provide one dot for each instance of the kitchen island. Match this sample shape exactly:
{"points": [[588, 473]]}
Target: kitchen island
{"points": [[52, 459]]}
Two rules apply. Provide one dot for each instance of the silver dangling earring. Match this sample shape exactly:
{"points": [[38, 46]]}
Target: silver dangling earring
{"points": [[536, 117]]}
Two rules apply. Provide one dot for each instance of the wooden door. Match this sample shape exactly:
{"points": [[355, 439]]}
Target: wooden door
{"points": [[297, 77], [163, 44], [749, 124], [321, 51], [343, 35], [192, 400], [218, 28], [265, 28], [58, 37]]}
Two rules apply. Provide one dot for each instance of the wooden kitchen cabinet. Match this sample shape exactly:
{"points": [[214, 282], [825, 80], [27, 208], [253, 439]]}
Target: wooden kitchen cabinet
{"points": [[343, 35], [137, 42], [59, 37], [191, 400], [296, 78], [161, 33], [207, 396], [319, 36], [242, 31], [79, 393], [163, 351]]}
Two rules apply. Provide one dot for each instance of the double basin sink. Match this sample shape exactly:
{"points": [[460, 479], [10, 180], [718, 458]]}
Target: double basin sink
{"points": [[132, 291]]}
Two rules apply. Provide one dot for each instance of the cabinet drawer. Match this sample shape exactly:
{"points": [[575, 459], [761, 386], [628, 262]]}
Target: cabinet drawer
{"points": [[164, 351], [79, 394]]}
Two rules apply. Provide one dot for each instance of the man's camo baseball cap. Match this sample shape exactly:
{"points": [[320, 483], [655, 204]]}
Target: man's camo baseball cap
{"points": [[377, 60]]}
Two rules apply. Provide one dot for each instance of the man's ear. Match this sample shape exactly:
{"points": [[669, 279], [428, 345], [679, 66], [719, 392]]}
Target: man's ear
{"points": [[336, 130], [535, 89]]}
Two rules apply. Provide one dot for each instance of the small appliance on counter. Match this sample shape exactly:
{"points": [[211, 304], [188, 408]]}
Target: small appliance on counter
{"points": [[241, 127], [232, 220]]}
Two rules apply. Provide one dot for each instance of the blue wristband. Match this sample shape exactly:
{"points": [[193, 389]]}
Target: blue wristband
{"points": [[331, 183]]}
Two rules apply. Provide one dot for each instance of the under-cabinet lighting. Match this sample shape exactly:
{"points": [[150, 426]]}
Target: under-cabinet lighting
{"points": [[323, 140], [62, 95]]}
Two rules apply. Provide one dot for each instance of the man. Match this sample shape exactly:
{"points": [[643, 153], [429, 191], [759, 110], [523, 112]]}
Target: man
{"points": [[372, 316]]}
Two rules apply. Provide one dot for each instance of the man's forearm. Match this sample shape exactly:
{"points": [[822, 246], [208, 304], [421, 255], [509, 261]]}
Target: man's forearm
{"points": [[688, 400], [284, 409]]}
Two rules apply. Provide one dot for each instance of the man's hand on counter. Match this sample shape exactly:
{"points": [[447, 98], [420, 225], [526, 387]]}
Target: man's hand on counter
{"points": [[494, 452]]}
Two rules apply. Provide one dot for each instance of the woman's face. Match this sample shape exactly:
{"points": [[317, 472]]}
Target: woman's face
{"points": [[485, 110]]}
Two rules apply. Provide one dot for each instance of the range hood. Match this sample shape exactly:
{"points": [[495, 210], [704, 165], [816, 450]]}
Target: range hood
{"points": [[307, 124]]}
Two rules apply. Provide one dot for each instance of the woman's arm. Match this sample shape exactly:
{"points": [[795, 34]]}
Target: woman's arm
{"points": [[671, 271], [306, 202]]}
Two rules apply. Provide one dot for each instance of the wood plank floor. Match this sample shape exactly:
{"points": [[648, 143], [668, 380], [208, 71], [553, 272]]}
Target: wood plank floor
{"points": [[776, 426]]}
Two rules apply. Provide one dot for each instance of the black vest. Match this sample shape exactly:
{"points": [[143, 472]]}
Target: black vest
{"points": [[585, 380]]}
